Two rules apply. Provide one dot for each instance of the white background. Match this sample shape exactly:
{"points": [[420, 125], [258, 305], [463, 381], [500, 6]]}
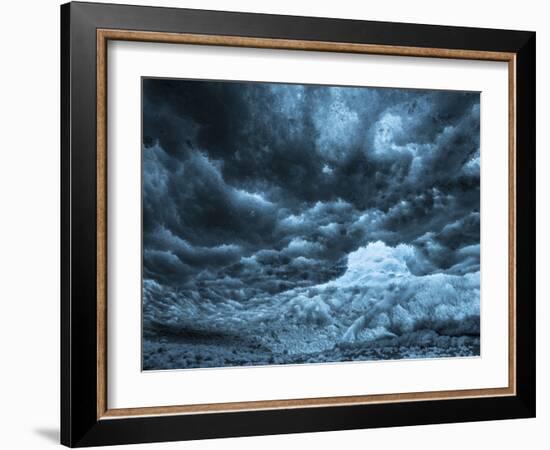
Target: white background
{"points": [[29, 238], [128, 386]]}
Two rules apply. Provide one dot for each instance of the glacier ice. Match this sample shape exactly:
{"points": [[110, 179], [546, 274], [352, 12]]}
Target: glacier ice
{"points": [[377, 309]]}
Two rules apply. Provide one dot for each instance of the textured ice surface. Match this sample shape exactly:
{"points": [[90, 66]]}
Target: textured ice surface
{"points": [[376, 310]]}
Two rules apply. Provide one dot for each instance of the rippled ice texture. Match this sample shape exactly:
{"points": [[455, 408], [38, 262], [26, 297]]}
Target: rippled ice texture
{"points": [[377, 309]]}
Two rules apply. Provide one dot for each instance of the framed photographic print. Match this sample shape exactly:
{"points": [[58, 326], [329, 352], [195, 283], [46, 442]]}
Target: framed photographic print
{"points": [[276, 224]]}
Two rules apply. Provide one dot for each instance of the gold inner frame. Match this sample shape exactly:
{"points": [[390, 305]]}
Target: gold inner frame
{"points": [[104, 35]]}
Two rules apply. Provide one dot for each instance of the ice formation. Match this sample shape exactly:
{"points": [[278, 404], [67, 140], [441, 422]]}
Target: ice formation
{"points": [[377, 309]]}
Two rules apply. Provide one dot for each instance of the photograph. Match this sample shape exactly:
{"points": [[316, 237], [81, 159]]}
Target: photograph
{"points": [[275, 225], [288, 220], [304, 224]]}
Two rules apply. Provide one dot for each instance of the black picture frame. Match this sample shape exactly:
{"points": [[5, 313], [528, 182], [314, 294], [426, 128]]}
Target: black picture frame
{"points": [[80, 425]]}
